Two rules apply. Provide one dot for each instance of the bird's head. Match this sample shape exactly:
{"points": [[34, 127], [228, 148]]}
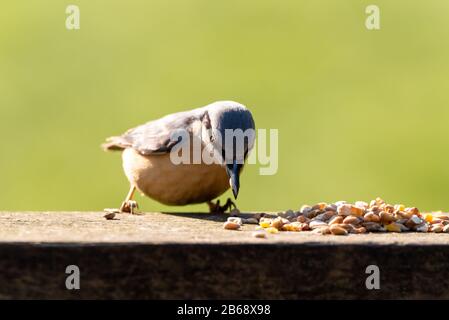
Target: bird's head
{"points": [[233, 134]]}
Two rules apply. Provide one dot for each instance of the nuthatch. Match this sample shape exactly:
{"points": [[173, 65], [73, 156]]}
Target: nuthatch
{"points": [[149, 166]]}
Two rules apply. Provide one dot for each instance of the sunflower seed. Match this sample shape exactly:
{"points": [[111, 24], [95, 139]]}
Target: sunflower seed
{"points": [[110, 215], [437, 228], [317, 224], [422, 227], [250, 221]]}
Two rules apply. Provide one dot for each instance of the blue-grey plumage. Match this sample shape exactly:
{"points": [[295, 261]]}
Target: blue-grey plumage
{"points": [[146, 154]]}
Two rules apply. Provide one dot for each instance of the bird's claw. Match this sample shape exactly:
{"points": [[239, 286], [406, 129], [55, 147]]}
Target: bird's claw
{"points": [[129, 206], [216, 208]]}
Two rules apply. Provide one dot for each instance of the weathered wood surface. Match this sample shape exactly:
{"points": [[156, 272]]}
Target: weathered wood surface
{"points": [[159, 256]]}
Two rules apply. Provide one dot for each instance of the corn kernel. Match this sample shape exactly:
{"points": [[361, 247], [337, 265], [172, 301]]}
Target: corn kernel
{"points": [[271, 230], [428, 217], [295, 226], [264, 224], [393, 227]]}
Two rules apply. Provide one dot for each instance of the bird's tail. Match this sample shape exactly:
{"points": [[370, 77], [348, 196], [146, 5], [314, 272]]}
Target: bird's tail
{"points": [[115, 144]]}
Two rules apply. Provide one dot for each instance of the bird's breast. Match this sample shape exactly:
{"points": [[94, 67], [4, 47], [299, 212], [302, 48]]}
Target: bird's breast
{"points": [[160, 179]]}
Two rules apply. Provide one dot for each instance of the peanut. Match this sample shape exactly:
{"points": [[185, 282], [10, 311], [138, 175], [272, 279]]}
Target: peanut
{"points": [[230, 225], [336, 220], [319, 206], [344, 209], [337, 230], [371, 217], [277, 223], [351, 220], [386, 217], [317, 224]]}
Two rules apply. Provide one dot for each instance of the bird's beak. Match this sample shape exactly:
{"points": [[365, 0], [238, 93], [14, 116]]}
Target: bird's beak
{"points": [[233, 171]]}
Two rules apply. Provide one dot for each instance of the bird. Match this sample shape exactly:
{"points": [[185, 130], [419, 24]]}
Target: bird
{"points": [[148, 151]]}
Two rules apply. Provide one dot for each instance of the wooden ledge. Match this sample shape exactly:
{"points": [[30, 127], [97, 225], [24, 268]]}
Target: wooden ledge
{"points": [[176, 256]]}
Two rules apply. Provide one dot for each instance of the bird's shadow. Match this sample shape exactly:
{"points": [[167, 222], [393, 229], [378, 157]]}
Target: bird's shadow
{"points": [[217, 217]]}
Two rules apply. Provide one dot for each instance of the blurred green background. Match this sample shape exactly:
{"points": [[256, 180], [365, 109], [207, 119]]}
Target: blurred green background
{"points": [[360, 113]]}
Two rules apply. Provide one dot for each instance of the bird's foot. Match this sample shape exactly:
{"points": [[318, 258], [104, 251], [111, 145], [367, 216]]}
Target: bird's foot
{"points": [[129, 206], [216, 208]]}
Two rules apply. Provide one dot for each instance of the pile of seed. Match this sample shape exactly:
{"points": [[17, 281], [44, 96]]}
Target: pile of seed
{"points": [[341, 218]]}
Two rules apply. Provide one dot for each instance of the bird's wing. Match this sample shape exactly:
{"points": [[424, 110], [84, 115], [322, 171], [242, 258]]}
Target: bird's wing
{"points": [[154, 137]]}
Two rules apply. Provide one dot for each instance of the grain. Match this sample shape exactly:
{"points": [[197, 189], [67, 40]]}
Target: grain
{"points": [[258, 234], [342, 218]]}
